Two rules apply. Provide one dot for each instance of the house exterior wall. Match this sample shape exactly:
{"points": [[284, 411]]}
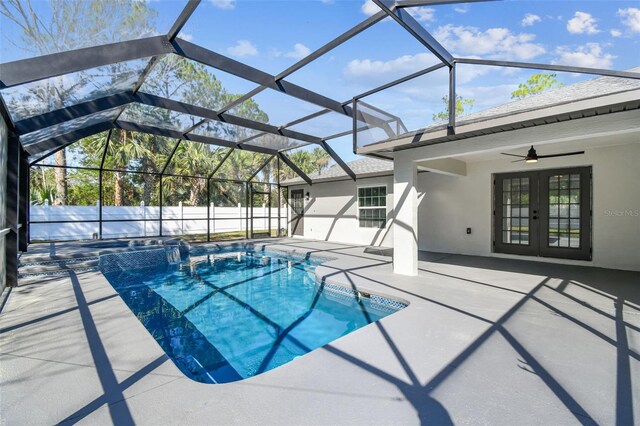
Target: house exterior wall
{"points": [[452, 204], [331, 213], [4, 140]]}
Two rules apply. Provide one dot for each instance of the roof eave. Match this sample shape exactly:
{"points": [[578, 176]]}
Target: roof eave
{"points": [[541, 116]]}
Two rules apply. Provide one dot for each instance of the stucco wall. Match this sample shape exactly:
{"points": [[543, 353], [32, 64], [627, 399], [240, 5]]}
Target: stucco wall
{"points": [[3, 198], [448, 205], [451, 204], [331, 212]]}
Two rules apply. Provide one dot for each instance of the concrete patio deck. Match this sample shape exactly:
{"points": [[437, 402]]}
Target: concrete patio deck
{"points": [[483, 341]]}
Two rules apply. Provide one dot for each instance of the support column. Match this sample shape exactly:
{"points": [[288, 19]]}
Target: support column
{"points": [[23, 200], [405, 208], [12, 206]]}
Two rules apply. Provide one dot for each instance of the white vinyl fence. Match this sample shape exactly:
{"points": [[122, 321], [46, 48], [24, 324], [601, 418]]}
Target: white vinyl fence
{"points": [[142, 221]]}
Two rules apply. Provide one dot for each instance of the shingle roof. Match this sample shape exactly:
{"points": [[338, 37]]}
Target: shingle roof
{"points": [[587, 89], [592, 88], [365, 166]]}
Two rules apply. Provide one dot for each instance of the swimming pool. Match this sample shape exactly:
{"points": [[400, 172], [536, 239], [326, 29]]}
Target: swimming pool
{"points": [[225, 315]]}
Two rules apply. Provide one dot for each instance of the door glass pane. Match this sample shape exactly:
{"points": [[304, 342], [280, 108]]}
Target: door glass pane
{"points": [[564, 211], [515, 222], [297, 203]]}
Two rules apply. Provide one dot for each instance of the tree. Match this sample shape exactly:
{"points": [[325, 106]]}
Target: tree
{"points": [[190, 159], [462, 105], [537, 83], [41, 188], [121, 150], [72, 24], [320, 159], [308, 161]]}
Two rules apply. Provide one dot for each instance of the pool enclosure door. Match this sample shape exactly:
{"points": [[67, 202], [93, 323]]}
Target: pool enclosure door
{"points": [[259, 224], [297, 212], [543, 213]]}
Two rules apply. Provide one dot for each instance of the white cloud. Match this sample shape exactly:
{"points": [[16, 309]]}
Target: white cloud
{"points": [[403, 65], [224, 4], [369, 8], [243, 48], [530, 19], [385, 71], [590, 55], [494, 42], [630, 18], [582, 23], [422, 14], [185, 36], [461, 9], [615, 33], [327, 1], [299, 51]]}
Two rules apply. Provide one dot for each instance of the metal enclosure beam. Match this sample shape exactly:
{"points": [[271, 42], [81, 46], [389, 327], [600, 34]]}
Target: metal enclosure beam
{"points": [[295, 168], [313, 56], [231, 66], [452, 100], [370, 21], [182, 107], [173, 152], [4, 113], [260, 168], [12, 208], [61, 115], [400, 80], [100, 181], [126, 125], [414, 3], [209, 210], [182, 19], [90, 107], [23, 202], [547, 67], [220, 142], [338, 160], [226, 155], [408, 22], [41, 67], [67, 138]]}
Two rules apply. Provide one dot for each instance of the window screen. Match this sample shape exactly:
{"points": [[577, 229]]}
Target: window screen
{"points": [[372, 207]]}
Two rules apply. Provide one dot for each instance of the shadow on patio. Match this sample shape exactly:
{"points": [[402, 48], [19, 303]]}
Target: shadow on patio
{"points": [[594, 301]]}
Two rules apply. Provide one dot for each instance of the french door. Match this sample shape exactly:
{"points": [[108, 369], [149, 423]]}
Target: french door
{"points": [[543, 213]]}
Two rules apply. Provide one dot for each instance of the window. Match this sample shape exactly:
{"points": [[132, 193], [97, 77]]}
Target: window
{"points": [[372, 207]]}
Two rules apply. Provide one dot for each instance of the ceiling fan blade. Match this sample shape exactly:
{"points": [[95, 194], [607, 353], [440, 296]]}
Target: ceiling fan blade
{"points": [[518, 161], [561, 155], [513, 155]]}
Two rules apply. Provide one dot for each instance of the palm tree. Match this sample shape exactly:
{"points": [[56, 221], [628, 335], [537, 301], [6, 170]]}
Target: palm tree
{"points": [[320, 158], [123, 149], [191, 159]]}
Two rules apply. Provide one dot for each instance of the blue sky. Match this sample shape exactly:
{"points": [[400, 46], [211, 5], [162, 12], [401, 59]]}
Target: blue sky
{"points": [[272, 35]]}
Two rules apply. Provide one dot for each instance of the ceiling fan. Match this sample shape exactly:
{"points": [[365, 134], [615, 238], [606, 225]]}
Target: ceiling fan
{"points": [[532, 156]]}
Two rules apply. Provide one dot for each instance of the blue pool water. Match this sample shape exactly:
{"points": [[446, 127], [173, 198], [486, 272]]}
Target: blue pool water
{"points": [[228, 315]]}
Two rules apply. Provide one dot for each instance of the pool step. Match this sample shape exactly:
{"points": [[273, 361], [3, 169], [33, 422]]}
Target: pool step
{"points": [[57, 267]]}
